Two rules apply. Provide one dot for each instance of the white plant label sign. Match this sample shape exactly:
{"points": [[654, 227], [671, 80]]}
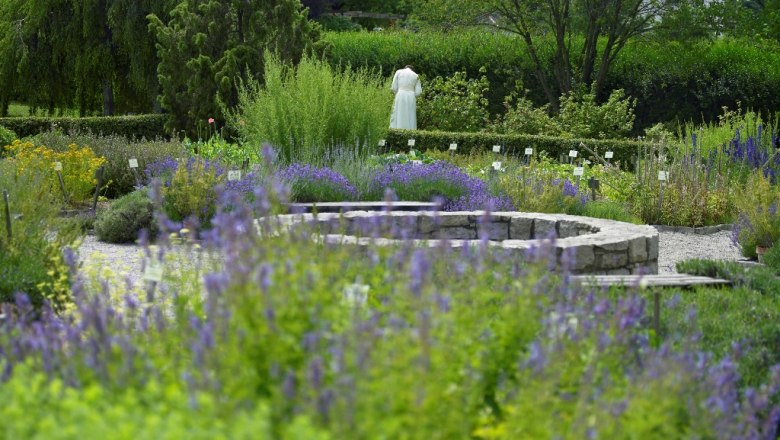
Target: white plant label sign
{"points": [[417, 162], [572, 153], [496, 148], [579, 171], [133, 163], [356, 295], [382, 142], [410, 143], [663, 175], [57, 166], [153, 269], [234, 175], [497, 166], [529, 151], [453, 147], [609, 154]]}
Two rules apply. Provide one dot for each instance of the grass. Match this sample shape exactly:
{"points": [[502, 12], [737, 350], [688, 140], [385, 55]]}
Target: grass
{"points": [[19, 110]]}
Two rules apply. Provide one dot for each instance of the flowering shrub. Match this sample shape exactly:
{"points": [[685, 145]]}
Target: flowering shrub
{"points": [[758, 223], [191, 191], [6, 137], [312, 184], [426, 182], [78, 167]]}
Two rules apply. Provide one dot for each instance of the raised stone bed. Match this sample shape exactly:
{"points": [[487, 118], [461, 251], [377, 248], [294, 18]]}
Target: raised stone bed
{"points": [[597, 246]]}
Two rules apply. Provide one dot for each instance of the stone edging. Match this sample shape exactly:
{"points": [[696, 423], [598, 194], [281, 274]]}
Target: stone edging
{"points": [[598, 246], [702, 230]]}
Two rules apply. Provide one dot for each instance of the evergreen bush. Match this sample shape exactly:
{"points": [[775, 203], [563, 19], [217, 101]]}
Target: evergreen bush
{"points": [[126, 217]]}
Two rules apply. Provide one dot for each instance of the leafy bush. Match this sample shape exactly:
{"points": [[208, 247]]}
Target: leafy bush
{"points": [[312, 184], [31, 261], [521, 117], [131, 127], [78, 167], [192, 192], [309, 110], [611, 210], [455, 103], [6, 137], [582, 117], [125, 218], [758, 223], [119, 179]]}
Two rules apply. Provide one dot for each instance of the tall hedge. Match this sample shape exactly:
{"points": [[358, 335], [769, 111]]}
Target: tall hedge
{"points": [[672, 81], [140, 126]]}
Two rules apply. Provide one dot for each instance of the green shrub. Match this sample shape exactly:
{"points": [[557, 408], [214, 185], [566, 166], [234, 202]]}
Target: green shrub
{"points": [[131, 127], [520, 116], [31, 261], [125, 218], [455, 103], [309, 110], [6, 137], [582, 117], [758, 223], [192, 192], [119, 179]]}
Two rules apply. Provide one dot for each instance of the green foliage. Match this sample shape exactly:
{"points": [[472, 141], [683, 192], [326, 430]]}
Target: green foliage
{"points": [[132, 127], [125, 218], [611, 210], [6, 137], [670, 80], [455, 103], [208, 47], [310, 111], [513, 145], [31, 261], [192, 193], [759, 221], [521, 117], [119, 179], [583, 117]]}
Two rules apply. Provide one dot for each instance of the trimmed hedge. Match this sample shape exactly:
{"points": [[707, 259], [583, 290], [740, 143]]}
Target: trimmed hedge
{"points": [[140, 126], [671, 81], [625, 150]]}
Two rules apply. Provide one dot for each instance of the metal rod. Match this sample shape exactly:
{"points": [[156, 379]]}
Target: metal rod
{"points": [[62, 186], [99, 176], [7, 215]]}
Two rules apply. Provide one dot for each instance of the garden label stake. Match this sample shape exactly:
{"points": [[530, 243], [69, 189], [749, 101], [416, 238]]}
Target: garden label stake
{"points": [[99, 177], [528, 152], [593, 184], [58, 170], [133, 162], [245, 165], [7, 215]]}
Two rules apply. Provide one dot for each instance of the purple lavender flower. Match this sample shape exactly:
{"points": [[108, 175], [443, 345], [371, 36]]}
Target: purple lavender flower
{"points": [[312, 184]]}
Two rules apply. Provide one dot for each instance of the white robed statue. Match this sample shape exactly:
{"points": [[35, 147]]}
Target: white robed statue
{"points": [[406, 86]]}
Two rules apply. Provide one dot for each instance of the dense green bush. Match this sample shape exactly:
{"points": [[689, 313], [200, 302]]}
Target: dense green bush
{"points": [[118, 178], [309, 110], [6, 137], [671, 81], [125, 218], [456, 103], [625, 150], [133, 127]]}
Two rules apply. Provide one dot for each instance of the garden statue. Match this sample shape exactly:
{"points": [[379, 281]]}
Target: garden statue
{"points": [[406, 86]]}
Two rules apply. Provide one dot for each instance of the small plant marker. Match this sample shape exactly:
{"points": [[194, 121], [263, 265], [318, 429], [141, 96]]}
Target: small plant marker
{"points": [[234, 175], [410, 142], [57, 166], [572, 155], [133, 162], [382, 142], [453, 147], [496, 148], [529, 151], [594, 185], [58, 170], [497, 165], [99, 177]]}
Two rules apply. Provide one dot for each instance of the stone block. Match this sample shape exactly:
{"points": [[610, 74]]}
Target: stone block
{"points": [[567, 229], [520, 228], [457, 233], [495, 231], [613, 260], [449, 219], [583, 255], [544, 228], [652, 248], [637, 250]]}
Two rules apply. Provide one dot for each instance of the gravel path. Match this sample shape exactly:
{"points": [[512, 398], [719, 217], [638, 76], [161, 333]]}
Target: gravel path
{"points": [[123, 260]]}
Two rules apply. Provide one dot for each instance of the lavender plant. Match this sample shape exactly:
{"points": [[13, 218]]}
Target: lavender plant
{"points": [[312, 184]]}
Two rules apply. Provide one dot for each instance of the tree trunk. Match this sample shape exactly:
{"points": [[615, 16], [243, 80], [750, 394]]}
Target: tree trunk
{"points": [[108, 99]]}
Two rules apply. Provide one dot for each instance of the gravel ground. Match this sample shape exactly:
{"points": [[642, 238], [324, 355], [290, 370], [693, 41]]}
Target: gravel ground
{"points": [[125, 260]]}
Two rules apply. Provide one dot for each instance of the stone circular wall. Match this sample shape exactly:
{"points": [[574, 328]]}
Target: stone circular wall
{"points": [[597, 246]]}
